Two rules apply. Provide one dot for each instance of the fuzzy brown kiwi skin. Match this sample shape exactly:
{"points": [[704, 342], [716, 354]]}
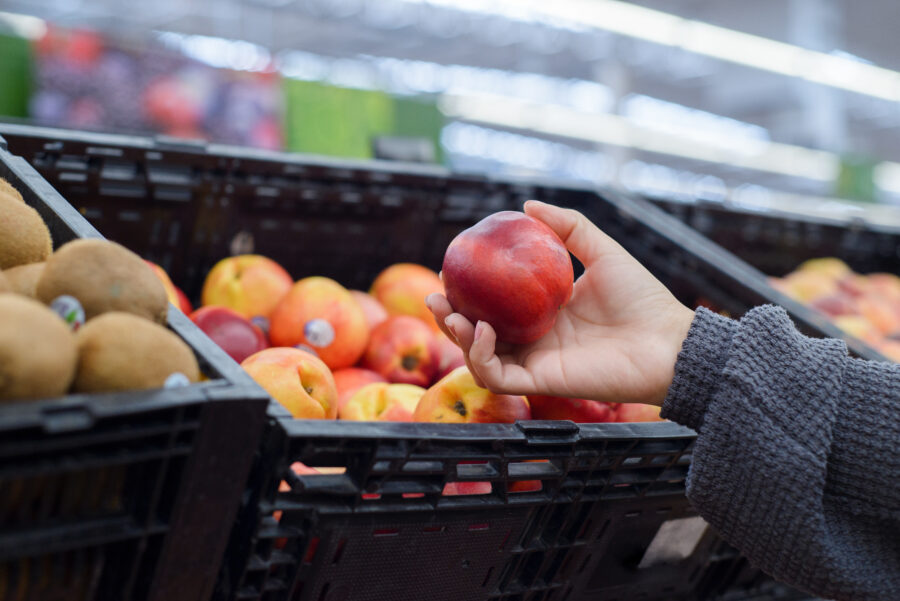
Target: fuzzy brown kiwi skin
{"points": [[104, 276], [8, 189], [24, 278], [24, 238], [37, 350], [119, 351]]}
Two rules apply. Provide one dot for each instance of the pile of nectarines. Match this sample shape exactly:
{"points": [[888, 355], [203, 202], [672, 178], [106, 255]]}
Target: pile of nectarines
{"points": [[326, 352], [864, 306]]}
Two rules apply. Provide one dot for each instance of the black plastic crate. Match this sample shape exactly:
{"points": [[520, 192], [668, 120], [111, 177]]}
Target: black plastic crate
{"points": [[348, 220], [384, 530], [121, 496], [776, 242]]}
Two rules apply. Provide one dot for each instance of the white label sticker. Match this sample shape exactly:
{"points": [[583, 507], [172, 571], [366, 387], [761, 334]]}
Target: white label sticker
{"points": [[176, 380], [307, 348], [69, 309], [318, 332]]}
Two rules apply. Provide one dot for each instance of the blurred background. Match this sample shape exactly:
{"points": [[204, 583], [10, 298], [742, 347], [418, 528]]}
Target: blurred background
{"points": [[771, 103]]}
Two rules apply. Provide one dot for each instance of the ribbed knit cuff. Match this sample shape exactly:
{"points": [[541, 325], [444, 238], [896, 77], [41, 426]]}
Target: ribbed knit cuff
{"points": [[699, 368]]}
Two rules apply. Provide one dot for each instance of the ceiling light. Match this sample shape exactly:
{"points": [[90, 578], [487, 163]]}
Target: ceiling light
{"points": [[721, 43]]}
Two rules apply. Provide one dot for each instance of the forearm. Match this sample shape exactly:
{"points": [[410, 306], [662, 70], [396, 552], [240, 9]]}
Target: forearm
{"points": [[782, 421]]}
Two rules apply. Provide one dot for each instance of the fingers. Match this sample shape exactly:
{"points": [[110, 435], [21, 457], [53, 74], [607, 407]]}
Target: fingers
{"points": [[464, 333], [581, 237], [498, 376], [438, 304]]}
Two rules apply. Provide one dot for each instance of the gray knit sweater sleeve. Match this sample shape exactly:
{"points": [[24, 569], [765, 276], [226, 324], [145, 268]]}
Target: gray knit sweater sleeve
{"points": [[797, 458]]}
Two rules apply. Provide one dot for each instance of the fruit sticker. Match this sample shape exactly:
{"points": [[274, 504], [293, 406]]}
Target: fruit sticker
{"points": [[70, 310], [318, 332], [262, 323], [307, 348], [176, 380]]}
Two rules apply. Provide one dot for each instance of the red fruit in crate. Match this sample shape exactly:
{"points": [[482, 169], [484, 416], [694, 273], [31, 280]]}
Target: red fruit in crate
{"points": [[373, 310], [450, 356], [350, 379], [172, 291], [457, 399], [298, 380], [402, 288], [381, 402], [231, 331], [637, 412], [250, 284], [183, 303], [452, 489], [834, 305], [404, 350], [320, 313], [576, 410], [511, 271]]}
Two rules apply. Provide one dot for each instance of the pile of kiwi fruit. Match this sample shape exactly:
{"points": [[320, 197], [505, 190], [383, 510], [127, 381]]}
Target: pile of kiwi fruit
{"points": [[123, 343]]}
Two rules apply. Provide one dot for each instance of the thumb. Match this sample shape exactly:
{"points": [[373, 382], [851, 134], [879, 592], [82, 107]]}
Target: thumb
{"points": [[581, 237]]}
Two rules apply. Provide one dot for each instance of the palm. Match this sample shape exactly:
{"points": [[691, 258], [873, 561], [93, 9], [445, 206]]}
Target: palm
{"points": [[601, 345]]}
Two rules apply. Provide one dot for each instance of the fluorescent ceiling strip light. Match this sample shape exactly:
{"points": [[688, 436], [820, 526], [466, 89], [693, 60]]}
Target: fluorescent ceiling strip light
{"points": [[32, 28], [887, 176], [721, 43], [615, 130]]}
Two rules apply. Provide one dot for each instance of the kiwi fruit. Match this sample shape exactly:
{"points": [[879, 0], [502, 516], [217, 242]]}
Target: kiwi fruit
{"points": [[103, 276], [120, 351], [5, 284], [24, 278], [37, 350], [24, 238], [7, 189]]}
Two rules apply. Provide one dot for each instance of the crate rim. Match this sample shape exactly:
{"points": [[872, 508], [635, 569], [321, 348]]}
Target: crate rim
{"points": [[550, 431]]}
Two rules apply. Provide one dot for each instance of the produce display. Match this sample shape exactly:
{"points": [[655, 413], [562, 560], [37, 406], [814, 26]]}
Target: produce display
{"points": [[864, 306], [326, 352], [85, 318]]}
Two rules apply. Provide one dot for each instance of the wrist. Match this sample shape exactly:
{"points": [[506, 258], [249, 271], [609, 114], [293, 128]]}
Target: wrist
{"points": [[673, 334]]}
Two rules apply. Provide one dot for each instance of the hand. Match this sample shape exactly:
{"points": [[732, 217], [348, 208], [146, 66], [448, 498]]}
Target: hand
{"points": [[616, 340]]}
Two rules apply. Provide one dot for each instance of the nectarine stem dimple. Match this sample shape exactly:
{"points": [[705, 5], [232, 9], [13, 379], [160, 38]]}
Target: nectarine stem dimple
{"points": [[308, 389], [409, 362], [460, 408]]}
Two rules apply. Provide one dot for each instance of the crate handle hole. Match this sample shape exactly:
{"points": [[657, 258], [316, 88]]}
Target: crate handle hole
{"points": [[339, 551], [452, 489], [505, 539], [311, 550]]}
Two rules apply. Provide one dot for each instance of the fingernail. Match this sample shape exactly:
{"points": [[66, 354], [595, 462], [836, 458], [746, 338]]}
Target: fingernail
{"points": [[450, 326], [479, 329], [428, 303]]}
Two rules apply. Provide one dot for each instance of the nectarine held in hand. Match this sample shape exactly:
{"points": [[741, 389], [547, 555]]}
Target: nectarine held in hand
{"points": [[511, 271]]}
